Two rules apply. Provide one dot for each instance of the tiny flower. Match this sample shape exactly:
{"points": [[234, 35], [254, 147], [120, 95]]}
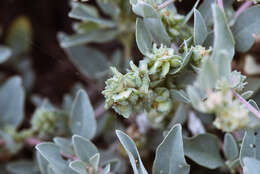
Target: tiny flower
{"points": [[238, 81], [198, 53]]}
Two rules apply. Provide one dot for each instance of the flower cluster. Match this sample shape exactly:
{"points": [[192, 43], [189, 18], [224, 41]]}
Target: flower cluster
{"points": [[174, 25], [230, 113], [198, 53], [49, 122], [141, 88]]}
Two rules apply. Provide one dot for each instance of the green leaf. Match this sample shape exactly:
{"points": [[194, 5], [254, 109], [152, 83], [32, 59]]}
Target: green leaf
{"points": [[5, 53], [206, 11], [179, 95], [180, 115], [204, 150], [223, 38], [208, 75], [170, 155], [250, 145], [51, 153], [64, 144], [247, 25], [95, 36], [89, 14], [12, 102], [194, 97], [143, 9], [106, 170], [200, 28], [82, 121], [157, 30], [231, 151], [143, 37], [94, 161], [22, 167], [109, 8], [78, 166], [89, 61], [84, 148], [252, 166], [132, 152], [42, 163]]}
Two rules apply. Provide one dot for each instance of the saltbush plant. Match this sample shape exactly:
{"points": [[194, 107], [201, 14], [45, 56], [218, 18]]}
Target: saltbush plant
{"points": [[185, 107]]}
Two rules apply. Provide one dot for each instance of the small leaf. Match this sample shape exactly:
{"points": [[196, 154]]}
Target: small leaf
{"points": [[82, 121], [247, 94], [204, 150], [143, 9], [179, 95], [200, 28], [132, 152], [231, 151], [252, 166], [194, 97], [106, 170], [206, 11], [22, 167], [143, 37], [170, 155], [247, 25], [5, 53], [64, 144], [223, 38], [78, 166], [109, 8], [180, 115], [250, 145], [42, 163], [84, 148], [94, 161], [12, 102], [89, 61]]}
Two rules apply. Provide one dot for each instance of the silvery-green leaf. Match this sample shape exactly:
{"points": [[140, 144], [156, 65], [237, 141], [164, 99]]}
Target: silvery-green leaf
{"points": [[94, 161], [78, 166], [169, 157], [89, 61], [250, 145], [252, 166], [157, 30], [51, 153], [42, 163], [194, 97], [64, 144], [247, 94], [22, 167], [132, 152], [82, 121], [5, 53], [106, 170], [95, 36], [206, 11], [223, 38], [143, 37], [84, 148], [10, 144], [231, 151], [247, 25], [12, 102], [195, 125], [253, 103], [208, 75], [143, 9], [204, 150], [179, 95], [109, 8], [180, 115], [200, 28], [85, 13], [189, 15]]}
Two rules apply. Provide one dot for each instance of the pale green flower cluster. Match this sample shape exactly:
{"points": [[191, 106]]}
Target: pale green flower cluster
{"points": [[174, 26], [142, 88], [49, 122], [230, 113], [125, 93], [160, 62], [198, 53]]}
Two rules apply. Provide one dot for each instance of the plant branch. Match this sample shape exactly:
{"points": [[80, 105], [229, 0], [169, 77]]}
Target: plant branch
{"points": [[243, 7], [248, 105], [220, 4], [164, 4]]}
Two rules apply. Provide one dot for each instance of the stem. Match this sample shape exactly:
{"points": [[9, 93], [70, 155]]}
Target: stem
{"points": [[249, 106], [164, 4], [220, 4], [32, 141], [71, 157], [243, 7], [100, 110]]}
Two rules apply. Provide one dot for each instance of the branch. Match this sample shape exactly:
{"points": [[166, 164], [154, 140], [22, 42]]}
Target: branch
{"points": [[164, 4], [220, 4], [249, 106], [243, 7]]}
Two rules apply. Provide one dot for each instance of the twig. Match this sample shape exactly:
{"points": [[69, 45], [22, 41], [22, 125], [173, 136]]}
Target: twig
{"points": [[249, 106], [164, 4], [71, 157], [243, 7], [220, 4], [32, 141], [100, 110]]}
